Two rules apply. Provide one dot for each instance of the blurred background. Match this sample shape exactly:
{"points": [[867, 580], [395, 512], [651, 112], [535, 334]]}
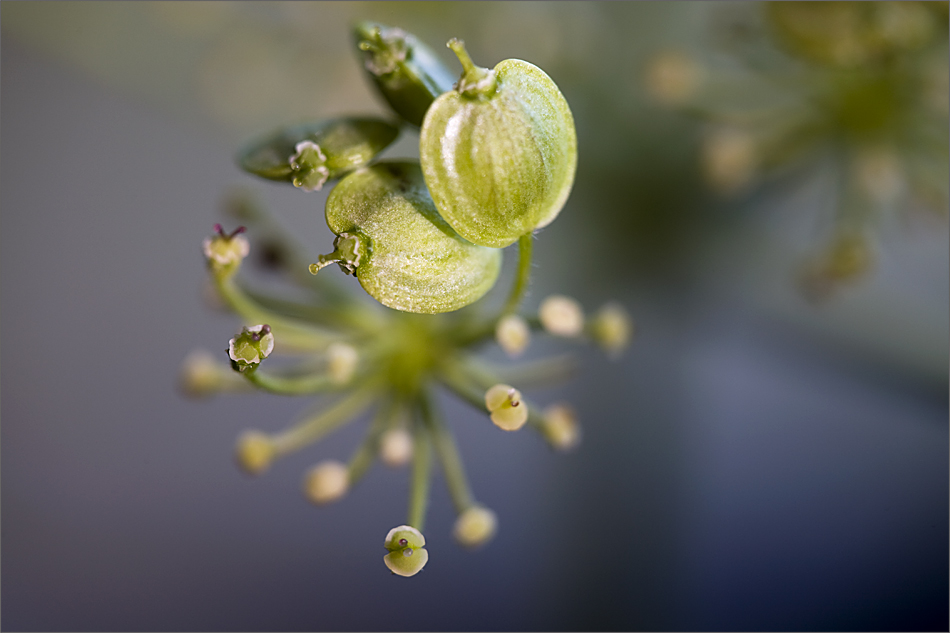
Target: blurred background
{"points": [[765, 456]]}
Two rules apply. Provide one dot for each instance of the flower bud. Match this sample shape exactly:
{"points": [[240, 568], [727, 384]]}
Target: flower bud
{"points": [[308, 155], [476, 526], [255, 452], [507, 410], [729, 160], [513, 334], [395, 447], [225, 251], [200, 374], [405, 71], [612, 328], [342, 360], [327, 482], [672, 77], [407, 555], [499, 151], [561, 316], [250, 347], [560, 427], [403, 253]]}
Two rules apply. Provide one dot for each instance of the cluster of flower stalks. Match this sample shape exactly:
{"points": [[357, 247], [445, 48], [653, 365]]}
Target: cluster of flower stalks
{"points": [[854, 90], [421, 256]]}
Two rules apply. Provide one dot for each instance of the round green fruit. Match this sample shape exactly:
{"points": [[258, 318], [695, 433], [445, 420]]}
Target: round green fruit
{"points": [[499, 152], [404, 254]]}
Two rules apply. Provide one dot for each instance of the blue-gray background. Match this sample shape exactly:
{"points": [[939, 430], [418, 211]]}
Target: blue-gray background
{"points": [[753, 461]]}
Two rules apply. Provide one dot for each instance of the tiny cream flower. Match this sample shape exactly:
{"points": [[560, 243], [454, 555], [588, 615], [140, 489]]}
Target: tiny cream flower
{"points": [[672, 77], [224, 250], [729, 160], [476, 526], [507, 410], [326, 482], [561, 316], [200, 374], [255, 452], [612, 329], [561, 428], [879, 175], [342, 360], [513, 334], [395, 447]]}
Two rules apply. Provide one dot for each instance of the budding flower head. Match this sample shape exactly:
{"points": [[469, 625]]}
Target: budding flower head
{"points": [[407, 555], [250, 347], [508, 412], [561, 428], [395, 447], [612, 329], [326, 482], [255, 452], [476, 526], [561, 316], [342, 361], [226, 250], [513, 334]]}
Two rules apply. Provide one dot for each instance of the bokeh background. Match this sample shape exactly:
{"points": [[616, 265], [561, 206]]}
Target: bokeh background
{"points": [[755, 461]]}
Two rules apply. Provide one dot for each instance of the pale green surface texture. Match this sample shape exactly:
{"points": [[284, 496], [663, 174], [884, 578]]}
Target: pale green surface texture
{"points": [[500, 167], [415, 261], [347, 144]]}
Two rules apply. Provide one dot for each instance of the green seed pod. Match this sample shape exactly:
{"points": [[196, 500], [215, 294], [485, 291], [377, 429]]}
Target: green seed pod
{"points": [[391, 237], [310, 154], [406, 72], [499, 152]]}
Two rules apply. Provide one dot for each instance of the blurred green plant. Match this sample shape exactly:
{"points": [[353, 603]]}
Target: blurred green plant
{"points": [[855, 89], [510, 149]]}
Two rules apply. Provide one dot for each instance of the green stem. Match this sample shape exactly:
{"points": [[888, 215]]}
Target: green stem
{"points": [[284, 332], [365, 455], [352, 317], [314, 428], [449, 455], [532, 373], [457, 384], [421, 480], [291, 386], [522, 276]]}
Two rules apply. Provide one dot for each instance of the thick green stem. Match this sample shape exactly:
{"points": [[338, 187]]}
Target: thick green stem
{"points": [[522, 276], [449, 455], [312, 429], [421, 477]]}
